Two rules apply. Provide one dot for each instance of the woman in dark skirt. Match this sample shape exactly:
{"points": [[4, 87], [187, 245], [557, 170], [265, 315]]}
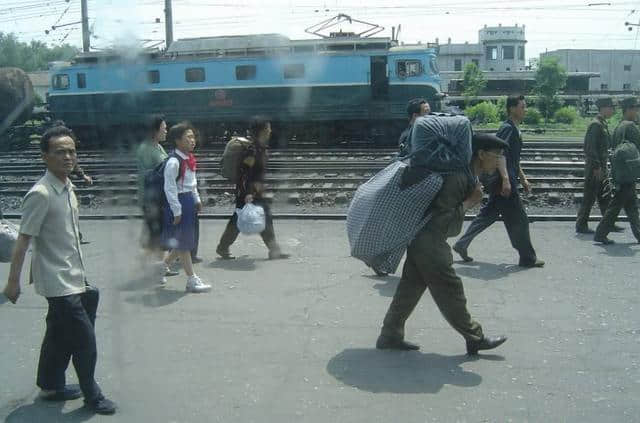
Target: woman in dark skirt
{"points": [[183, 203]]}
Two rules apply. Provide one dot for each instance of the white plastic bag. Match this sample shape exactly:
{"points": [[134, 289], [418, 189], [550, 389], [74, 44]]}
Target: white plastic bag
{"points": [[251, 219], [8, 237]]}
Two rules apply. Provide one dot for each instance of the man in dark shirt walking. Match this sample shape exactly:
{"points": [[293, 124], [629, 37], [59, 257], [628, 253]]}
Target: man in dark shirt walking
{"points": [[507, 202], [250, 189], [415, 108]]}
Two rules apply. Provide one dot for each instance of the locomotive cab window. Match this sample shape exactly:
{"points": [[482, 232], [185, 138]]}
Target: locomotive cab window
{"points": [[244, 72], [293, 71], [408, 68], [60, 81], [81, 80], [153, 77], [194, 75]]}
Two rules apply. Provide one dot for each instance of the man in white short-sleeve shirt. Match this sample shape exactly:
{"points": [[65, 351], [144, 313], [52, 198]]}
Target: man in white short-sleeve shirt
{"points": [[50, 223]]}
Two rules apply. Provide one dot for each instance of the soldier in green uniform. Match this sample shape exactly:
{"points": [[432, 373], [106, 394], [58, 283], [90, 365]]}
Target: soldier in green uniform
{"points": [[596, 181], [625, 193], [429, 262]]}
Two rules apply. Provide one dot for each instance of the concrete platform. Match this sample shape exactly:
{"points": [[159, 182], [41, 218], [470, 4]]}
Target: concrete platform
{"points": [[293, 341]]}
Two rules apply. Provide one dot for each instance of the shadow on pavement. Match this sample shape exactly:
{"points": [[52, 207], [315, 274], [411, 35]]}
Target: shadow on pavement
{"points": [[49, 412], [487, 271], [160, 297], [377, 371], [387, 284], [622, 249], [242, 263]]}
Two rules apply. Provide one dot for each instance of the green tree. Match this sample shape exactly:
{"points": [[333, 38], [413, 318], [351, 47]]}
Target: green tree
{"points": [[551, 77], [31, 56], [473, 81]]}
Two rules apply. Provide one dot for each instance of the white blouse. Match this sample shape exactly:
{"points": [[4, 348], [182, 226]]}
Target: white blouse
{"points": [[172, 188]]}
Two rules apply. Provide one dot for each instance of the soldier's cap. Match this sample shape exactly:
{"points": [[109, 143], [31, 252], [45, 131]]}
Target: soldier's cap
{"points": [[481, 141], [604, 102], [414, 105], [629, 103]]}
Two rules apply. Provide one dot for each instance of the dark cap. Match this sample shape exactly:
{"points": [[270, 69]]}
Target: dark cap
{"points": [[414, 105], [481, 141], [629, 103], [604, 102]]}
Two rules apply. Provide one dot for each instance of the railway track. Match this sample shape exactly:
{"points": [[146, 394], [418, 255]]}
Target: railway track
{"points": [[295, 175]]}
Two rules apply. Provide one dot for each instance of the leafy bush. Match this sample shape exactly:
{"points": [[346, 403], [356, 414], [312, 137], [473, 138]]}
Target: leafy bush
{"points": [[566, 115], [532, 116], [502, 108], [484, 112]]}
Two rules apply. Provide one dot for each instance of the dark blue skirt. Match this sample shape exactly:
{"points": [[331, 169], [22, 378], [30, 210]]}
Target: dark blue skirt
{"points": [[183, 235]]}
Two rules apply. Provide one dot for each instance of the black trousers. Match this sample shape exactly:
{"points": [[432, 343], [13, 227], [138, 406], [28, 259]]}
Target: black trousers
{"points": [[231, 231], [624, 198], [194, 252], [515, 221], [594, 190], [70, 334]]}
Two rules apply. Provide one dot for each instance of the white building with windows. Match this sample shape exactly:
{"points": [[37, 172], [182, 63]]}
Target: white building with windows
{"points": [[619, 69]]}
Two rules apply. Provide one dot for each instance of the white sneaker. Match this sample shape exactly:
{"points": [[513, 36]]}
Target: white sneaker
{"points": [[196, 286]]}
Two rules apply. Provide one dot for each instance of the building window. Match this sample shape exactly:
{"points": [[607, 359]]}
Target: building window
{"points": [[194, 75], [244, 72], [508, 52], [604, 87], [153, 77], [627, 68], [457, 65], [476, 62], [60, 81], [81, 80], [408, 68], [293, 71], [626, 87], [520, 52], [492, 53]]}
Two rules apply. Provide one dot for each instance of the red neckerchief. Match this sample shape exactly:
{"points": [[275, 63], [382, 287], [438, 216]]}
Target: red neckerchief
{"points": [[190, 162]]}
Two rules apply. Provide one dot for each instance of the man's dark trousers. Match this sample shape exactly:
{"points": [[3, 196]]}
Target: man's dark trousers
{"points": [[70, 334], [515, 221], [594, 189], [231, 231], [624, 198], [194, 252]]}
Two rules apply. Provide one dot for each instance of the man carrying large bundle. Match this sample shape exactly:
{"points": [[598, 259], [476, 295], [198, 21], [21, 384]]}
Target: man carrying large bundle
{"points": [[429, 259]]}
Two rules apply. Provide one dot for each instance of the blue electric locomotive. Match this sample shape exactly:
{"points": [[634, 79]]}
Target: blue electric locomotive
{"points": [[341, 87]]}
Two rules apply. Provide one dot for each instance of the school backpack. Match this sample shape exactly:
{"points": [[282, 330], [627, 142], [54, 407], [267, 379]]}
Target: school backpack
{"points": [[625, 163], [234, 153], [441, 143], [154, 197]]}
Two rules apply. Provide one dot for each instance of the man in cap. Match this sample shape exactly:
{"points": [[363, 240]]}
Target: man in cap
{"points": [[596, 181], [415, 108], [429, 262], [625, 193]]}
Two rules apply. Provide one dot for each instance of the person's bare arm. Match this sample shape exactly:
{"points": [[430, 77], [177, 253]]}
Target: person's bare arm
{"points": [[12, 290]]}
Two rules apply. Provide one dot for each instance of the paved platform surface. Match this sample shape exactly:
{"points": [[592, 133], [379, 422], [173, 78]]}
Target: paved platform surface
{"points": [[293, 341]]}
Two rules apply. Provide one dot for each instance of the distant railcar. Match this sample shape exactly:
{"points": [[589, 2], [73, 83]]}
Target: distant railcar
{"points": [[325, 91]]}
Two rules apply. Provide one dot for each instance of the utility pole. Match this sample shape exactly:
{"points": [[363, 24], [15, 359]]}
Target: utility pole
{"points": [[85, 26], [168, 22]]}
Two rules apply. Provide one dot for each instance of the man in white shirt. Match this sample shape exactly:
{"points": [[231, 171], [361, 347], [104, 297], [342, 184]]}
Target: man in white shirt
{"points": [[50, 219]]}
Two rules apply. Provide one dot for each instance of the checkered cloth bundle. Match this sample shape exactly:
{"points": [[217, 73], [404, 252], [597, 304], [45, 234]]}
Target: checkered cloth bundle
{"points": [[385, 216]]}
